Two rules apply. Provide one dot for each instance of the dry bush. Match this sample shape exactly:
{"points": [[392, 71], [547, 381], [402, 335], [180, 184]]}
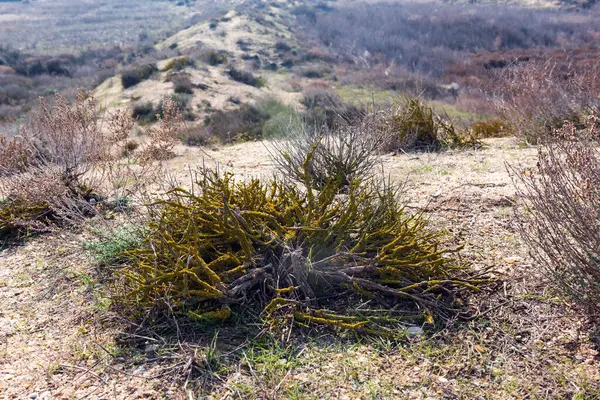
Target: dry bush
{"points": [[178, 64], [69, 137], [245, 77], [47, 175], [183, 85], [164, 135], [293, 254], [240, 124], [63, 165], [195, 136], [38, 200], [341, 155], [537, 97], [134, 75], [323, 107], [429, 37], [560, 210]]}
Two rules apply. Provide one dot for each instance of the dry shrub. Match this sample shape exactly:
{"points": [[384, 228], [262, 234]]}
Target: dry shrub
{"points": [[38, 200], [414, 125], [342, 155], [63, 165], [560, 210], [323, 107], [69, 137], [293, 254], [245, 77], [183, 85], [164, 135], [213, 57], [537, 97], [48, 174], [240, 124], [178, 64], [132, 76]]}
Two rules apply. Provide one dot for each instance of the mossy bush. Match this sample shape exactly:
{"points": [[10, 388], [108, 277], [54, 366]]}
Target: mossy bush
{"points": [[178, 64], [414, 125], [491, 128], [19, 219], [292, 254]]}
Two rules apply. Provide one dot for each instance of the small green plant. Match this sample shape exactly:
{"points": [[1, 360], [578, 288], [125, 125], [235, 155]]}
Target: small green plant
{"points": [[111, 246]]}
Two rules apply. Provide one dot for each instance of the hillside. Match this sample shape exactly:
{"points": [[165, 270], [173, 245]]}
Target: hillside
{"points": [[243, 41]]}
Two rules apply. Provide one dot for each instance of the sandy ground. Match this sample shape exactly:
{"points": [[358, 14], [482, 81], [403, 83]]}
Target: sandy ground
{"points": [[57, 341]]}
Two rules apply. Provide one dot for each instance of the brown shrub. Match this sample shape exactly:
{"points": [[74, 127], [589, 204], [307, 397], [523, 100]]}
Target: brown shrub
{"points": [[64, 164], [195, 136], [538, 97], [70, 137], [164, 135], [560, 210], [48, 174], [240, 124]]}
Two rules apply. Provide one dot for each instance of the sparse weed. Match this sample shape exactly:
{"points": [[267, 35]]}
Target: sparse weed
{"points": [[111, 246]]}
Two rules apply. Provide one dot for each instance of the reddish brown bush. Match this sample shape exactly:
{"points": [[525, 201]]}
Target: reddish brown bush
{"points": [[52, 173], [538, 97], [164, 135], [560, 210]]}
